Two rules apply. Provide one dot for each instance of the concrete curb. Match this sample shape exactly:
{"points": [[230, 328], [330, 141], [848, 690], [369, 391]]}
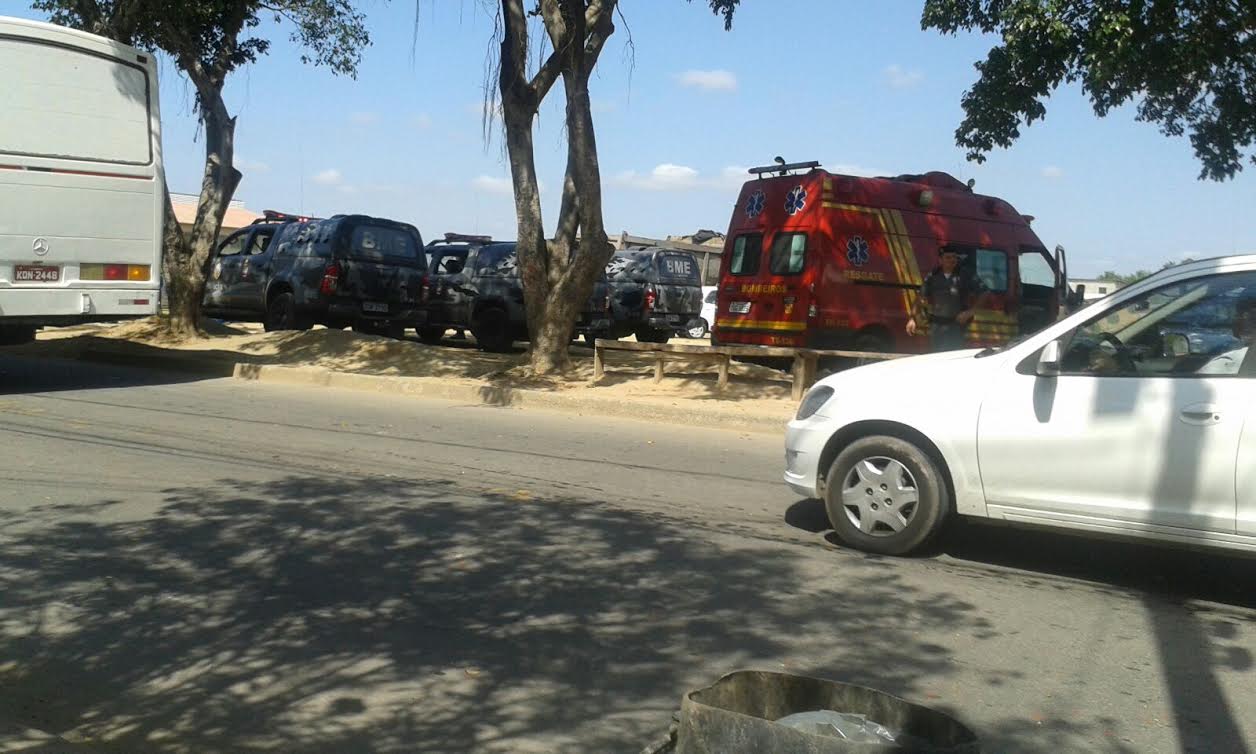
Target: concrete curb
{"points": [[727, 417]]}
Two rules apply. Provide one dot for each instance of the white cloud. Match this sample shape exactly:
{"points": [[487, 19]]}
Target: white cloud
{"points": [[245, 165], [423, 121], [1052, 171], [898, 77], [328, 177], [712, 81], [664, 177], [364, 118], [492, 185]]}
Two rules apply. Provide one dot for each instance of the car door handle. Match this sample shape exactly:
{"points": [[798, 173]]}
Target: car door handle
{"points": [[1200, 414]]}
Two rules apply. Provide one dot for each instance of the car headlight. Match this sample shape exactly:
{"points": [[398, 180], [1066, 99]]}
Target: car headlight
{"points": [[814, 401]]}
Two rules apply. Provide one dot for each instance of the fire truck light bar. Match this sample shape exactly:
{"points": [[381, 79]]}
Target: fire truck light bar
{"points": [[782, 168]]}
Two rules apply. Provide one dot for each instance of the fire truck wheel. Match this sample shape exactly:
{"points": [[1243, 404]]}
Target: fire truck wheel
{"points": [[885, 495]]}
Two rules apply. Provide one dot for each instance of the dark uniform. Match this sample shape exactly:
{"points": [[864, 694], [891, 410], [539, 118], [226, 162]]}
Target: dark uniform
{"points": [[946, 297]]}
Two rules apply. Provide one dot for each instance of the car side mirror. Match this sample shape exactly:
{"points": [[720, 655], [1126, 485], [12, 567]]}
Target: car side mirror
{"points": [[1049, 360]]}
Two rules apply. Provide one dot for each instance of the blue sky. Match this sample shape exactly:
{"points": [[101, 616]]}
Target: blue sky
{"points": [[856, 85]]}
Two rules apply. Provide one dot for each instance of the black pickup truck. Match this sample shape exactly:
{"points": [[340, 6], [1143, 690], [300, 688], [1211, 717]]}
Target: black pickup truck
{"points": [[475, 285], [291, 273]]}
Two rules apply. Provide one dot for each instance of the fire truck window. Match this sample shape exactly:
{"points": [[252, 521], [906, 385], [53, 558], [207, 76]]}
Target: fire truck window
{"points": [[789, 253], [747, 254], [992, 269], [1036, 270]]}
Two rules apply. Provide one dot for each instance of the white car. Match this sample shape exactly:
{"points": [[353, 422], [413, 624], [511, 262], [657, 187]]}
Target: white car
{"points": [[1120, 419], [702, 327]]}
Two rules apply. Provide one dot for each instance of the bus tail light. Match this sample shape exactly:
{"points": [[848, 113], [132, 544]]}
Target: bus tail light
{"points": [[331, 279], [132, 272]]}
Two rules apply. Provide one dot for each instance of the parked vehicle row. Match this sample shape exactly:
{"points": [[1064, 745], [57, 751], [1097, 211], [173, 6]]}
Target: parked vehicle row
{"points": [[376, 276]]}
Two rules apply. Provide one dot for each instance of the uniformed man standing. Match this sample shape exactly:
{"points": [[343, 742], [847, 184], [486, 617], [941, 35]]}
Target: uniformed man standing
{"points": [[952, 297]]}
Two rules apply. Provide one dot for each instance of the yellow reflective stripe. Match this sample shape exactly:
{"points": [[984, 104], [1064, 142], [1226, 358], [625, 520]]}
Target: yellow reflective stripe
{"points": [[761, 324], [909, 254]]}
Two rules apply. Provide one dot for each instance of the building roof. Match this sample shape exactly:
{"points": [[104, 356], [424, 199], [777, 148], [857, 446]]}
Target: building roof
{"points": [[237, 215]]}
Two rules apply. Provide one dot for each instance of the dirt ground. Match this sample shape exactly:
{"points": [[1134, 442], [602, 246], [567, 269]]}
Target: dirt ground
{"points": [[629, 375]]}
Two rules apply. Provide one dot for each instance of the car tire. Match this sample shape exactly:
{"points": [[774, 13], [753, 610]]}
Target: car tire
{"points": [[590, 338], [492, 330], [650, 335], [698, 331], [281, 314], [885, 495], [431, 335]]}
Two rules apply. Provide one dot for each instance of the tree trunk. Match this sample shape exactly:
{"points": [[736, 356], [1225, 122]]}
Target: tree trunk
{"points": [[558, 276], [186, 256]]}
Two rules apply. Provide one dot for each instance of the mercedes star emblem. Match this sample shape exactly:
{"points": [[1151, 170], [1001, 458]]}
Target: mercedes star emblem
{"points": [[40, 246]]}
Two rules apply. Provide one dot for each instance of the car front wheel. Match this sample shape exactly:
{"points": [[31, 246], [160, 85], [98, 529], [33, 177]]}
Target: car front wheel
{"points": [[885, 495]]}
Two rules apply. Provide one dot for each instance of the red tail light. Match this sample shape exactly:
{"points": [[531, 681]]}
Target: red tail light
{"points": [[650, 298], [331, 279], [424, 292]]}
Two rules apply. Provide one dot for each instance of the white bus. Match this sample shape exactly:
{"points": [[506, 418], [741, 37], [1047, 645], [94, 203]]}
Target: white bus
{"points": [[82, 192]]}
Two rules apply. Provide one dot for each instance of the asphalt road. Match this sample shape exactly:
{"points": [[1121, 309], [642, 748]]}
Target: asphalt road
{"points": [[222, 566]]}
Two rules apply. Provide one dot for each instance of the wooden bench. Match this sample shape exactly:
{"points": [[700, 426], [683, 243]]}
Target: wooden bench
{"points": [[802, 373]]}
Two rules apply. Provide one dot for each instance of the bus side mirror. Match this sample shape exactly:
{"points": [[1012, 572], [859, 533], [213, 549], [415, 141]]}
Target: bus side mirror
{"points": [[1049, 360]]}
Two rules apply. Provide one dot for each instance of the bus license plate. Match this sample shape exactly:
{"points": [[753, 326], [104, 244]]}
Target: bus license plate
{"points": [[374, 306], [739, 307], [36, 273]]}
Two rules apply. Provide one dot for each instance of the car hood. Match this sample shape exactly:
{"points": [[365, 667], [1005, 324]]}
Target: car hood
{"points": [[908, 380]]}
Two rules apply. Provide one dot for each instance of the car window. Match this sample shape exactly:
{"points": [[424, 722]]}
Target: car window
{"points": [[629, 267], [789, 253], [712, 296], [747, 254], [1033, 268], [382, 241], [992, 269], [452, 261], [233, 245], [261, 242], [679, 269], [498, 260], [1198, 327]]}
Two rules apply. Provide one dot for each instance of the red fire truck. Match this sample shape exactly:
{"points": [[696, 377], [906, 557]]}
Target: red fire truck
{"points": [[820, 260]]}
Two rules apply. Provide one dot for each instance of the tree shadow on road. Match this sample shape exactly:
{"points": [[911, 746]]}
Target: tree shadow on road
{"points": [[324, 615]]}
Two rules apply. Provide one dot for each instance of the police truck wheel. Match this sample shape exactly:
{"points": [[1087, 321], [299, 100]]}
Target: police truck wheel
{"points": [[431, 335], [492, 331], [885, 495], [650, 335], [281, 314]]}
